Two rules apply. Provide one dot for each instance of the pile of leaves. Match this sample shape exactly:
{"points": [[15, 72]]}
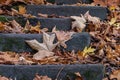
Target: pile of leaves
{"points": [[104, 47]]}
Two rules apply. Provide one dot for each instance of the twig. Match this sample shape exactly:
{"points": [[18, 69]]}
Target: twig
{"points": [[59, 72]]}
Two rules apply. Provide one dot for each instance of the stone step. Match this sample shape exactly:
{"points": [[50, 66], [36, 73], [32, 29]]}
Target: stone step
{"points": [[60, 23], [16, 42], [65, 10], [27, 72], [60, 2]]}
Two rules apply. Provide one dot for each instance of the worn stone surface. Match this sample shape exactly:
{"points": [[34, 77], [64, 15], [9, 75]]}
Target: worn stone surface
{"points": [[60, 2], [16, 42], [27, 72], [67, 10], [60, 23]]}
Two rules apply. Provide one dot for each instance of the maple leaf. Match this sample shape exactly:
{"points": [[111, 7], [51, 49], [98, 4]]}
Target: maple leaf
{"points": [[79, 23], [88, 50], [42, 54], [47, 46], [62, 36], [94, 20]]}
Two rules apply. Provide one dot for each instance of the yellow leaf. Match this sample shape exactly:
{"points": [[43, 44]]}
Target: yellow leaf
{"points": [[88, 50], [112, 8], [117, 25], [112, 21], [35, 28], [22, 10]]}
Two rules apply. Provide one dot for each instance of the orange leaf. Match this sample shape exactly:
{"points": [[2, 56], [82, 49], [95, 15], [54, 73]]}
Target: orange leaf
{"points": [[22, 10]]}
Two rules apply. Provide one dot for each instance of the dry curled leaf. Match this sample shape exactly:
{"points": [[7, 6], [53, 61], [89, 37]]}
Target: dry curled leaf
{"points": [[22, 10], [115, 75], [38, 77], [16, 27], [62, 36], [4, 78], [78, 76], [93, 19], [2, 26], [42, 54], [36, 28], [47, 46], [79, 23]]}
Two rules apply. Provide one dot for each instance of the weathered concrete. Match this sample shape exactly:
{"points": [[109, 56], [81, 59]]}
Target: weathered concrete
{"points": [[16, 42], [60, 23], [27, 72], [67, 10], [60, 2]]}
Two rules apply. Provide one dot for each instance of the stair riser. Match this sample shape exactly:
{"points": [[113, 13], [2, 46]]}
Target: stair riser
{"points": [[16, 42], [67, 10], [60, 2], [60, 23], [25, 72]]}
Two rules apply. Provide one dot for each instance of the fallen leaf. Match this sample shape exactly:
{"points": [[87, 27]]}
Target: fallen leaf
{"points": [[36, 45], [22, 10], [62, 36], [42, 54], [115, 75], [47, 46], [16, 27], [38, 77], [36, 28], [88, 50], [93, 19], [8, 57], [43, 15], [2, 26], [78, 76], [27, 27], [112, 21], [79, 23], [3, 78]]}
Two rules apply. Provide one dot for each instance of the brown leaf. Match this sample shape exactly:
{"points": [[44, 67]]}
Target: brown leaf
{"points": [[46, 47], [36, 28], [42, 54], [62, 36], [79, 23], [115, 74], [8, 57], [38, 77], [16, 28], [22, 10], [3, 78], [43, 15], [78, 76], [93, 19], [2, 26]]}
